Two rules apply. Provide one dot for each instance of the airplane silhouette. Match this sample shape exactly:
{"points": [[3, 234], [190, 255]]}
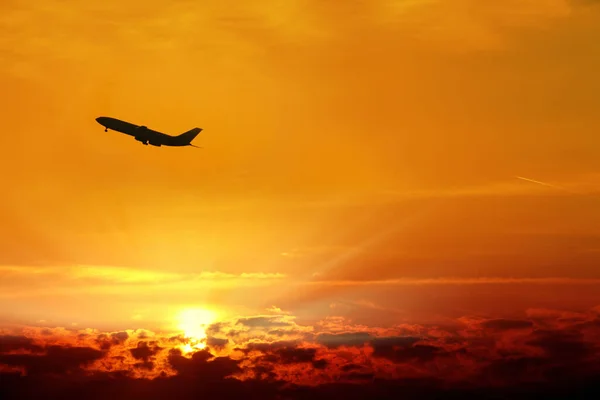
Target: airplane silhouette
{"points": [[148, 136]]}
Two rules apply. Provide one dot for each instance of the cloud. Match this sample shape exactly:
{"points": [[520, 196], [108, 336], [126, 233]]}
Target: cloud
{"points": [[506, 324], [26, 280], [10, 343], [277, 310], [458, 281], [481, 355], [263, 322], [131, 275], [343, 339], [56, 360]]}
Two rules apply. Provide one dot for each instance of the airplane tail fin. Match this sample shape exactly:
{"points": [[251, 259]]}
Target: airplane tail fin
{"points": [[189, 135]]}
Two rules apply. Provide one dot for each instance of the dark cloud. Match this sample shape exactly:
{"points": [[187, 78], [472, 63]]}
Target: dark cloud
{"points": [[506, 324], [107, 340], [57, 360], [296, 355], [509, 358], [263, 322], [350, 367], [343, 339], [359, 376], [144, 352], [509, 370], [563, 345], [400, 348], [216, 342], [593, 324], [11, 343], [217, 328], [401, 351], [272, 346], [203, 364], [320, 364]]}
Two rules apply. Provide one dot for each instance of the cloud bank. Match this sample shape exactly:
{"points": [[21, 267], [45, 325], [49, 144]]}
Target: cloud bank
{"points": [[547, 352]]}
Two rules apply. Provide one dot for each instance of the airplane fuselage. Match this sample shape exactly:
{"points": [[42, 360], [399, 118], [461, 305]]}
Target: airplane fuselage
{"points": [[148, 136], [117, 125]]}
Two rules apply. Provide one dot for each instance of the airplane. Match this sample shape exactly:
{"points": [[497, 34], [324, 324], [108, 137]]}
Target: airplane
{"points": [[148, 136]]}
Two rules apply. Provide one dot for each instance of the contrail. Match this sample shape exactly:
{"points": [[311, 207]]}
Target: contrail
{"points": [[543, 183]]}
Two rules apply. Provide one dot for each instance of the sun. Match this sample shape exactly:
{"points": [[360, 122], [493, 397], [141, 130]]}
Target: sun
{"points": [[193, 322]]}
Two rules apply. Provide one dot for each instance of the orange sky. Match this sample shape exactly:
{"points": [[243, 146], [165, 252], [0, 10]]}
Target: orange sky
{"points": [[357, 156]]}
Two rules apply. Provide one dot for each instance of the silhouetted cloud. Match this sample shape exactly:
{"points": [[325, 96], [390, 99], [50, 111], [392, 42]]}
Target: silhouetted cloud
{"points": [[262, 322], [216, 342], [334, 358], [506, 324], [9, 343], [57, 360], [343, 339]]}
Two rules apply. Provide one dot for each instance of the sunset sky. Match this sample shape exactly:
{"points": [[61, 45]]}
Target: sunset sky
{"points": [[375, 168]]}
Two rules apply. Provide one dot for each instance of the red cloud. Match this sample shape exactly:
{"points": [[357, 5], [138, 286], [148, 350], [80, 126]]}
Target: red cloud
{"points": [[267, 356]]}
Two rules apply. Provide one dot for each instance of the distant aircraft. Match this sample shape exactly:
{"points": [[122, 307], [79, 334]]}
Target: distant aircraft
{"points": [[148, 136]]}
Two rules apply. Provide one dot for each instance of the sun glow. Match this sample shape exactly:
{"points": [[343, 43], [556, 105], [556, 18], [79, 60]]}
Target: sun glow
{"points": [[193, 323]]}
